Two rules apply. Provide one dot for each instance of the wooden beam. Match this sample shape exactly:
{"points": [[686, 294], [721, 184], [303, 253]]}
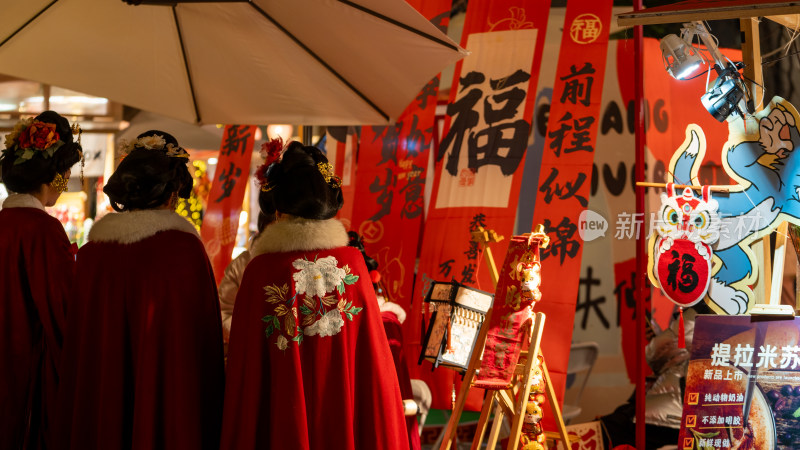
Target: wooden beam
{"points": [[778, 261], [652, 16], [790, 21], [751, 55]]}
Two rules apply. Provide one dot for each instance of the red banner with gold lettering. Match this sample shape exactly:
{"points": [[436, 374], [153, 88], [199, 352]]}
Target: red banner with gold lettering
{"points": [[478, 165], [221, 219], [566, 170], [391, 175]]}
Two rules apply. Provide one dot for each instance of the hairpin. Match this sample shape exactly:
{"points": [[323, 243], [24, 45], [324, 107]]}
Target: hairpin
{"points": [[326, 169], [76, 129]]}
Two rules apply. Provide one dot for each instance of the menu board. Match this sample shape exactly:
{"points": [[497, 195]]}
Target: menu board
{"points": [[738, 364]]}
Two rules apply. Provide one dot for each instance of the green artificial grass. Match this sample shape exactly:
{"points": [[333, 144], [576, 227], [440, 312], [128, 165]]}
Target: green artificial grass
{"points": [[437, 417]]}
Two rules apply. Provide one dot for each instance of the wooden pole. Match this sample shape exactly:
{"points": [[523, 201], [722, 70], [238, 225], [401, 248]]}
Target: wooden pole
{"points": [[484, 237], [751, 56], [684, 186], [642, 290]]}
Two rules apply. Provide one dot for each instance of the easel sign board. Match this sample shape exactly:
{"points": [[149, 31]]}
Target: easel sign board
{"points": [[459, 310], [742, 366]]}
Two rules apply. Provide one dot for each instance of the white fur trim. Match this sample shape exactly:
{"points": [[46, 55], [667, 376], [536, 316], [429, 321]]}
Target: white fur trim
{"points": [[395, 308], [293, 234], [134, 226], [22, 201]]}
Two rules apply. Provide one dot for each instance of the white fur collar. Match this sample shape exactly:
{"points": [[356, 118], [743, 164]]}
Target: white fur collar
{"points": [[392, 307], [22, 201], [293, 234], [134, 226]]}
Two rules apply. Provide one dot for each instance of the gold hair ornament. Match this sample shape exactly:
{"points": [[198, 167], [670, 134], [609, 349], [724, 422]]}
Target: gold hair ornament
{"points": [[76, 130], [59, 183], [326, 169]]}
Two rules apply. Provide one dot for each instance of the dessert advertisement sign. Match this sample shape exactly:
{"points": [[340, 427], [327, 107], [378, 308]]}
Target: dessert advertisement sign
{"points": [[743, 384]]}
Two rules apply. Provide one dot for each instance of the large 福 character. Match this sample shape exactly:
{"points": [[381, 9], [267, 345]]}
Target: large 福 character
{"points": [[761, 157]]}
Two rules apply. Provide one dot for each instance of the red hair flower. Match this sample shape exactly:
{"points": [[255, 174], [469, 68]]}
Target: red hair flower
{"points": [[271, 151], [39, 135], [261, 174]]}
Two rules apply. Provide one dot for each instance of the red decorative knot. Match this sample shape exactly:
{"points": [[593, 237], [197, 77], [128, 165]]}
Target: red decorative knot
{"points": [[375, 275]]}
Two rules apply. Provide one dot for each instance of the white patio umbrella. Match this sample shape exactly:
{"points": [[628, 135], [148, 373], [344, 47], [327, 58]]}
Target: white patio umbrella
{"points": [[322, 62]]}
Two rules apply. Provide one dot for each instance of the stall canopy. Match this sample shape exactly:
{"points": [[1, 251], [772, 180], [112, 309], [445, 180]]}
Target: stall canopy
{"points": [[302, 61]]}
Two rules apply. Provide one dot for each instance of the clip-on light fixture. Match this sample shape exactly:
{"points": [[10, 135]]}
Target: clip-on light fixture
{"points": [[727, 97]]}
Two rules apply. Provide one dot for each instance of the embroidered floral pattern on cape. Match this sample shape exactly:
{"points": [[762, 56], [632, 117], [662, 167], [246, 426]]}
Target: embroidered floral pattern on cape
{"points": [[316, 306]]}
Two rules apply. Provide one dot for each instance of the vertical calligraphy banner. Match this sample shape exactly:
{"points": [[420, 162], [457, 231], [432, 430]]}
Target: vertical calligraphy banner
{"points": [[391, 180], [478, 165], [221, 220], [341, 150], [566, 170]]}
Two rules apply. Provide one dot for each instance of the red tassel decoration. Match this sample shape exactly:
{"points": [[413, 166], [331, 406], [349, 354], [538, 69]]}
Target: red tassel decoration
{"points": [[681, 332]]}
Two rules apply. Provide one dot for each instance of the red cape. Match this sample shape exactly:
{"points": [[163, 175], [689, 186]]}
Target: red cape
{"points": [[35, 282], [333, 392], [394, 332], [143, 365]]}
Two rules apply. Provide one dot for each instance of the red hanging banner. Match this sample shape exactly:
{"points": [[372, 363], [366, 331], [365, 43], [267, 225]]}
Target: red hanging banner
{"points": [[479, 161], [221, 219], [391, 174], [341, 150], [566, 170]]}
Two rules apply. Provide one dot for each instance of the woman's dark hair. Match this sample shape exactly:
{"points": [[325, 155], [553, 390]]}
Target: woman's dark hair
{"points": [[296, 185], [29, 176], [146, 179], [358, 243], [264, 220]]}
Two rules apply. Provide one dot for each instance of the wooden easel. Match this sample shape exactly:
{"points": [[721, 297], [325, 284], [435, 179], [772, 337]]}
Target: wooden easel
{"points": [[511, 401]]}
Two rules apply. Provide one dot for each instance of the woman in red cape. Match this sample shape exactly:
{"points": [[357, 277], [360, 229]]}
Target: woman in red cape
{"points": [[142, 364], [309, 366], [36, 277], [393, 316]]}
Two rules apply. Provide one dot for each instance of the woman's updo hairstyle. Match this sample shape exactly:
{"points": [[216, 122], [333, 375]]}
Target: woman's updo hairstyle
{"points": [[301, 184], [358, 243], [35, 153], [154, 168]]}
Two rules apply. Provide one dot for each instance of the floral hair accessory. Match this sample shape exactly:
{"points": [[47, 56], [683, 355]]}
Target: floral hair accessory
{"points": [[271, 151], [326, 169], [30, 136], [154, 142]]}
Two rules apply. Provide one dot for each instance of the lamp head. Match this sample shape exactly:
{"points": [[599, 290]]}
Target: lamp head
{"points": [[680, 58], [723, 98]]}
